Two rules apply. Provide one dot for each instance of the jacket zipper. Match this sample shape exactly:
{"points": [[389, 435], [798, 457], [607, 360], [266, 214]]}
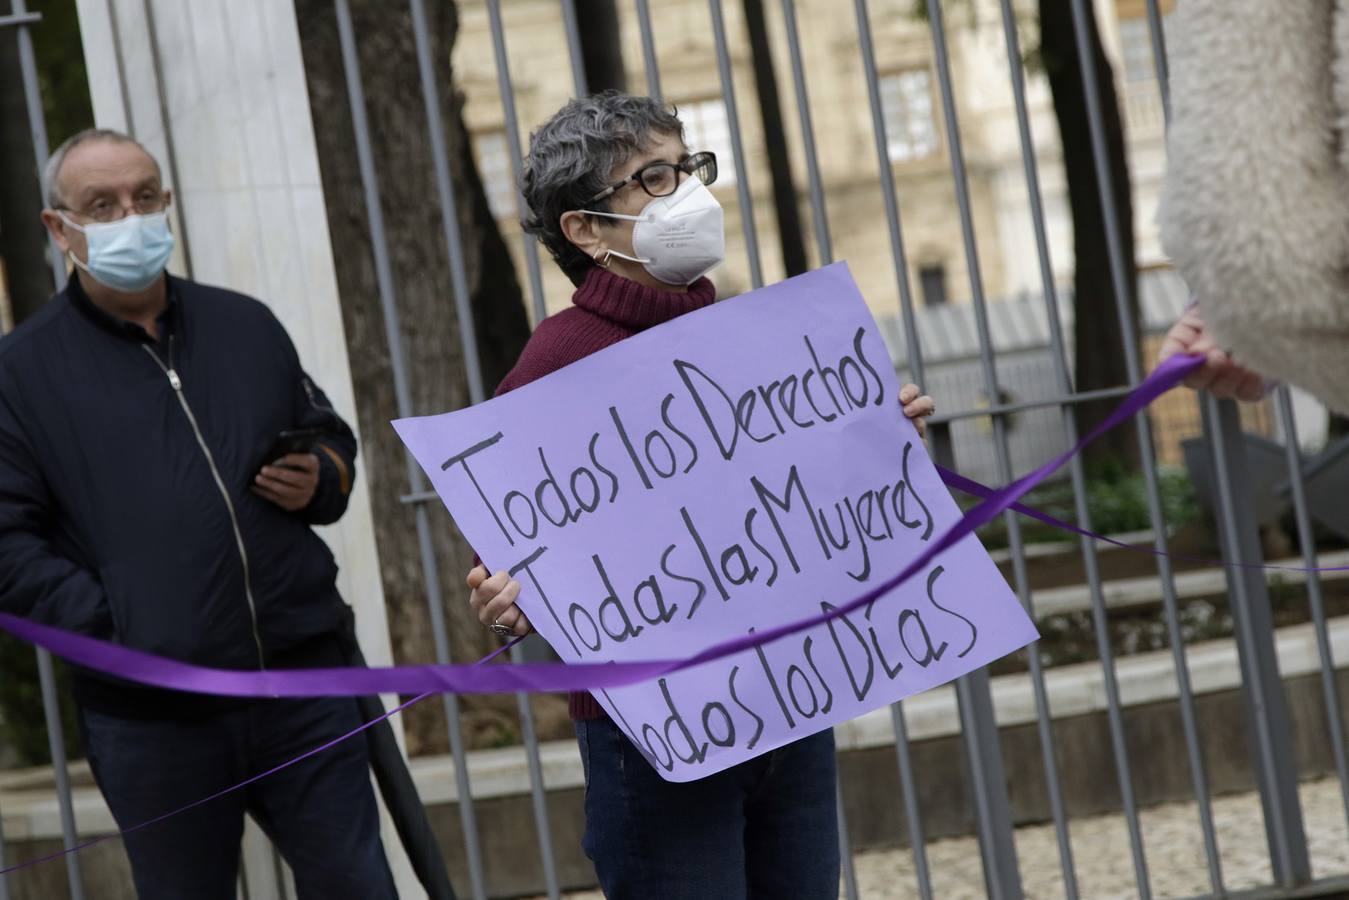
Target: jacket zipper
{"points": [[177, 384]]}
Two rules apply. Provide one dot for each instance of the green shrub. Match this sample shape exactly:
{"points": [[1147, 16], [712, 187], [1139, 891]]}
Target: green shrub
{"points": [[1117, 502]]}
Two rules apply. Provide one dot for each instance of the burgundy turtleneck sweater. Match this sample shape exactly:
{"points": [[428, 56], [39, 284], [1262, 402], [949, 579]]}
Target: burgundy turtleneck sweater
{"points": [[606, 309]]}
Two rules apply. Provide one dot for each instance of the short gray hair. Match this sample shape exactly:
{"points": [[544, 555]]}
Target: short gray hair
{"points": [[51, 172], [571, 156]]}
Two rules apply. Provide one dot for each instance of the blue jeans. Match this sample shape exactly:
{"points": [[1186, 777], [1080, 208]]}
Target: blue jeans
{"points": [[762, 830], [320, 813]]}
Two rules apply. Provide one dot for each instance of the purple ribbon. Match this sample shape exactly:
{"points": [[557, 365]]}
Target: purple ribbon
{"points": [[426, 680], [246, 782], [145, 668], [970, 486]]}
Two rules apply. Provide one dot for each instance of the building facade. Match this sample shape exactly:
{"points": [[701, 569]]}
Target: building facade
{"points": [[918, 149]]}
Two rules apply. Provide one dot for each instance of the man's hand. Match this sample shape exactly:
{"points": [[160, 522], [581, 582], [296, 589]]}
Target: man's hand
{"points": [[1219, 375], [291, 483], [917, 407], [493, 600]]}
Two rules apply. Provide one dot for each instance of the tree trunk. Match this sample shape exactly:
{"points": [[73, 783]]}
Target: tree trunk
{"points": [[430, 331], [1099, 337], [601, 46], [775, 142]]}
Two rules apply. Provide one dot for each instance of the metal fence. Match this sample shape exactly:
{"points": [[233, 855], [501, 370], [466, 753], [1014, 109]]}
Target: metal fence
{"points": [[1273, 759]]}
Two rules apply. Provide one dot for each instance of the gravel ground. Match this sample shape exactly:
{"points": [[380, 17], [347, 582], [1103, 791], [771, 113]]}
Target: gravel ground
{"points": [[1172, 841]]}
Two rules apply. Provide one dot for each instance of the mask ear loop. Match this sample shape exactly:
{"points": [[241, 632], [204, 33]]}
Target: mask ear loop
{"points": [[75, 260], [609, 254]]}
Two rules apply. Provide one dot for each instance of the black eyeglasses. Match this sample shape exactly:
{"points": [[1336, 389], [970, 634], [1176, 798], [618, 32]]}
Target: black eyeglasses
{"points": [[660, 179]]}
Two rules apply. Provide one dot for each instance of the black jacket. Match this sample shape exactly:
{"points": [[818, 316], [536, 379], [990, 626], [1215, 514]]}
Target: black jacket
{"points": [[125, 468]]}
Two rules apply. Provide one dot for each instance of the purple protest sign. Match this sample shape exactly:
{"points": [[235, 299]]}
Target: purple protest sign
{"points": [[735, 469]]}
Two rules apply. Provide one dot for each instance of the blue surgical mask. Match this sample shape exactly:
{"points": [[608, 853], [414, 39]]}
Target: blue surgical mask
{"points": [[127, 255]]}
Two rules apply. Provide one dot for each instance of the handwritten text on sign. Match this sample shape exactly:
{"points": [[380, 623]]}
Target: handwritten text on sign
{"points": [[740, 467]]}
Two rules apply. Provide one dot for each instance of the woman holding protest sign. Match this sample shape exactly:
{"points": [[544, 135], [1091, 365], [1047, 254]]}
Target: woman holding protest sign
{"points": [[623, 207]]}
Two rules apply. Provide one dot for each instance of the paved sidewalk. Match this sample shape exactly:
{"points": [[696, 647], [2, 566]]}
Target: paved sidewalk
{"points": [[1173, 845]]}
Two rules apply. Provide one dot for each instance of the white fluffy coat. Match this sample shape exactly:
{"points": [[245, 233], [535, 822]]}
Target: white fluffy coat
{"points": [[1256, 208]]}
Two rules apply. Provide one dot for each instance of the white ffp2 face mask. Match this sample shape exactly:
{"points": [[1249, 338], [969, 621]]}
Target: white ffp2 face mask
{"points": [[679, 238]]}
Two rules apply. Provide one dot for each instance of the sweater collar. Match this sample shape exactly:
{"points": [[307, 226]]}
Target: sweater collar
{"points": [[637, 306]]}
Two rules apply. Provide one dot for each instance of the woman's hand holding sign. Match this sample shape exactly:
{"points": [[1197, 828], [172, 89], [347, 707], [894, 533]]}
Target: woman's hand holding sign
{"points": [[493, 600], [917, 407]]}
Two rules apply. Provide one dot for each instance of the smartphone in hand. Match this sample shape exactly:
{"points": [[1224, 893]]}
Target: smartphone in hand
{"points": [[297, 440]]}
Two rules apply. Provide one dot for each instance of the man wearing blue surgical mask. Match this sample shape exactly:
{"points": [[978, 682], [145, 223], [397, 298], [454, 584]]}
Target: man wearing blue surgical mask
{"points": [[163, 456], [109, 212]]}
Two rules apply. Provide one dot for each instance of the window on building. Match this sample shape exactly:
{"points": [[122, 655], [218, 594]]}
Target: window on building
{"points": [[1135, 37], [932, 282], [495, 168], [706, 128], [1135, 45], [910, 122]]}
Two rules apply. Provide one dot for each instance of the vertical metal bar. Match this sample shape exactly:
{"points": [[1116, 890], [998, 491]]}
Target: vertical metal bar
{"points": [[818, 213], [912, 811], [468, 341], [37, 126], [1048, 752], [170, 151], [979, 729], [742, 190], [983, 755], [649, 59], [56, 741], [449, 208], [578, 67], [826, 256], [1158, 35], [4, 859], [531, 246], [1329, 687], [402, 395], [468, 819], [892, 217], [1198, 771], [988, 785], [845, 848], [1263, 691], [537, 790], [46, 676]]}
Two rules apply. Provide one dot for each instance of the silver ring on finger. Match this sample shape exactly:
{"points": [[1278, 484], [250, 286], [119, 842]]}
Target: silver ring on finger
{"points": [[501, 630]]}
